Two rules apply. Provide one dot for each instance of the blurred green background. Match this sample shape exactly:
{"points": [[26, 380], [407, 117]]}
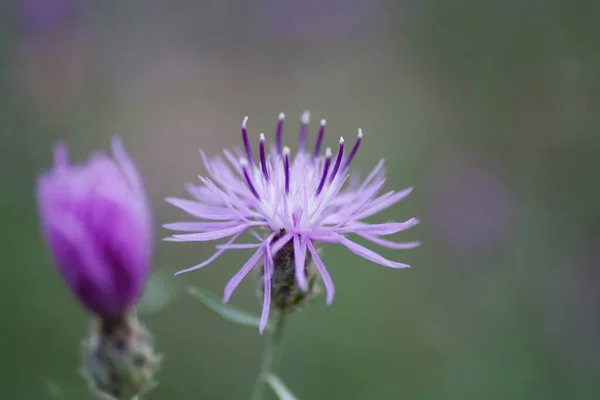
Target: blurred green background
{"points": [[490, 109]]}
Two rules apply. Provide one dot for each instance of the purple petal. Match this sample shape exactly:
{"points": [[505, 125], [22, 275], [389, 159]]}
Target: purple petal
{"points": [[279, 243], [204, 194], [370, 254], [299, 261], [352, 211], [389, 243], [212, 258], [124, 161], [264, 316], [327, 281], [388, 228], [374, 173], [199, 226], [377, 206], [241, 274], [208, 236], [201, 210]]}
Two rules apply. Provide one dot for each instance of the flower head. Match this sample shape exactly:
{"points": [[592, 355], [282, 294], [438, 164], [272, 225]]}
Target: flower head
{"points": [[300, 199], [97, 224]]}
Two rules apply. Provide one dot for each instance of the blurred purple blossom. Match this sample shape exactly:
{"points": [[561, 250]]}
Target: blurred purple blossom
{"points": [[470, 205], [314, 19], [570, 303], [51, 61], [41, 16], [97, 223], [295, 200]]}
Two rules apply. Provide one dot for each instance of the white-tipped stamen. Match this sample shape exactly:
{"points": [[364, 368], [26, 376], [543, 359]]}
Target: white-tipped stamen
{"points": [[244, 164], [305, 119], [319, 139], [303, 131], [354, 150], [286, 162], [263, 157], [246, 141], [338, 160], [278, 132], [325, 170]]}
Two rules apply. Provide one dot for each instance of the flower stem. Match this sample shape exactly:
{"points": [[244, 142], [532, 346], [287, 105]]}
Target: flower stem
{"points": [[134, 317], [271, 356]]}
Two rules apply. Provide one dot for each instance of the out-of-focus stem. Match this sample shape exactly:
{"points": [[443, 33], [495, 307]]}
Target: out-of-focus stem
{"points": [[271, 356]]}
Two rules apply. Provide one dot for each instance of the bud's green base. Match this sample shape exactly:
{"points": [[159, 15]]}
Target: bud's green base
{"points": [[119, 361]]}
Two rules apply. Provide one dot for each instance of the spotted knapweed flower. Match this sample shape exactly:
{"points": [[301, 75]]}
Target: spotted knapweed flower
{"points": [[97, 223], [297, 201]]}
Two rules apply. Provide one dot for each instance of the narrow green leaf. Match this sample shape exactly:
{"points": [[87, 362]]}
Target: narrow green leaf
{"points": [[227, 312], [159, 293], [279, 388], [54, 390]]}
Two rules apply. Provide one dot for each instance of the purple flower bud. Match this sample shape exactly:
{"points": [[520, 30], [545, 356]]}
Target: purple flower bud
{"points": [[97, 223]]}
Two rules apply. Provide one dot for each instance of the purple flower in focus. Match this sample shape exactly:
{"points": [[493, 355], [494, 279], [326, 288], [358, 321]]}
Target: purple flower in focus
{"points": [[96, 220], [300, 199]]}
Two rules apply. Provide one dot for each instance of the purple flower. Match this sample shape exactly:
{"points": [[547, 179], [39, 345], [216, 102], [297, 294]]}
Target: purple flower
{"points": [[42, 16], [302, 199], [97, 223]]}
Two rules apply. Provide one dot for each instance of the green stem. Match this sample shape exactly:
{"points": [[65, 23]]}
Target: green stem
{"points": [[134, 317], [271, 356]]}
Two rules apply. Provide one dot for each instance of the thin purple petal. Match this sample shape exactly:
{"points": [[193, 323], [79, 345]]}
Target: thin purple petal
{"points": [[268, 271], [300, 259], [370, 254], [241, 274], [388, 243], [377, 206], [207, 236], [327, 281], [212, 258], [124, 161], [201, 210], [379, 229], [199, 226]]}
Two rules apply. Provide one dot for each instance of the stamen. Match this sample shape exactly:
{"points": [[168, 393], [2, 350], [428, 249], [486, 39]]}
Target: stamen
{"points": [[286, 162], [278, 132], [338, 160], [244, 164], [354, 150], [305, 120], [247, 142], [263, 158], [325, 170], [319, 139]]}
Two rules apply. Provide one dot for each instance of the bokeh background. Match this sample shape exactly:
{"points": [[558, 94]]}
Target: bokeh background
{"points": [[490, 109]]}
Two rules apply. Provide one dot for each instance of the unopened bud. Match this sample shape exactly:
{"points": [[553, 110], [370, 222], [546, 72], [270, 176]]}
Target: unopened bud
{"points": [[119, 361]]}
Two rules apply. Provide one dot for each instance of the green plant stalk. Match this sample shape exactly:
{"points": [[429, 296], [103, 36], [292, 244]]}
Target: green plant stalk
{"points": [[271, 356], [134, 316]]}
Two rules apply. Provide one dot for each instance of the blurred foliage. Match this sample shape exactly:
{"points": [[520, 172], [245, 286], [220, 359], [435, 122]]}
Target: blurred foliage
{"points": [[490, 109]]}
